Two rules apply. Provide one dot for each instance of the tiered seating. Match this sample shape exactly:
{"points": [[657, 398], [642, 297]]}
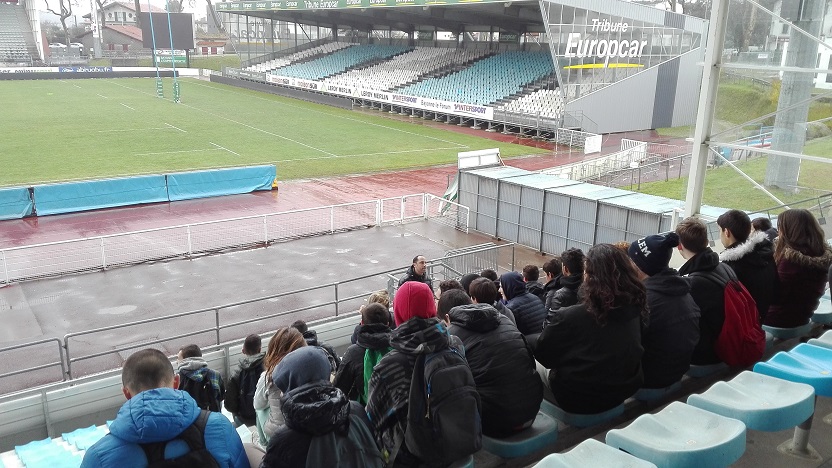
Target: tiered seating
{"points": [[488, 80], [13, 30], [404, 68], [324, 49], [546, 102], [339, 61]]}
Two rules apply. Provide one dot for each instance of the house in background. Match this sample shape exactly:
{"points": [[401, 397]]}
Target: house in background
{"points": [[116, 38]]}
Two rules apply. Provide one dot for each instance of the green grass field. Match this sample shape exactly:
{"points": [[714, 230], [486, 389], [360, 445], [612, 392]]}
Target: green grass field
{"points": [[86, 129]]}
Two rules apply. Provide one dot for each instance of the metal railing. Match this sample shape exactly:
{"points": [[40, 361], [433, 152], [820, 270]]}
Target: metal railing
{"points": [[70, 350], [187, 240]]}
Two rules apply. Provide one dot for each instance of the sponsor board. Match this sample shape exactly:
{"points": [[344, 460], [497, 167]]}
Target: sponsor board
{"points": [[592, 45], [250, 75], [340, 90], [85, 69], [30, 70]]}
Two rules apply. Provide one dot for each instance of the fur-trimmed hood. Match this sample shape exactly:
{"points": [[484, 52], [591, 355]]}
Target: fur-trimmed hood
{"points": [[757, 241], [821, 262]]}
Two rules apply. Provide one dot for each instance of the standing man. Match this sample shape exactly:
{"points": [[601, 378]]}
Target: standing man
{"points": [[418, 272]]}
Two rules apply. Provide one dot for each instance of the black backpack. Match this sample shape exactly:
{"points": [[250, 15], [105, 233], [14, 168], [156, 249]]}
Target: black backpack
{"points": [[202, 392], [443, 416], [194, 436], [248, 385]]}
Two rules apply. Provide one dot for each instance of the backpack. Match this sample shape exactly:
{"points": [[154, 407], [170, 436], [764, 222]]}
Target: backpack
{"points": [[371, 358], [443, 416], [742, 340], [194, 436], [202, 392], [248, 385]]}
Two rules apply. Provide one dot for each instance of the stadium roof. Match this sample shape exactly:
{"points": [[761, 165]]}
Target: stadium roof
{"points": [[401, 15]]}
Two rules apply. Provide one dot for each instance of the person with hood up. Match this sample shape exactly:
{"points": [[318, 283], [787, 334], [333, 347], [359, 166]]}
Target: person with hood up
{"points": [[751, 255], [418, 331], [528, 309], [156, 412], [672, 332], [194, 372], [323, 427], [360, 358], [501, 362], [311, 337], [803, 259]]}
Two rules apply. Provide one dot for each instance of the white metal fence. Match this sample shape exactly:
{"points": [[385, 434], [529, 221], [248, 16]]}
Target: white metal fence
{"points": [[102, 252]]}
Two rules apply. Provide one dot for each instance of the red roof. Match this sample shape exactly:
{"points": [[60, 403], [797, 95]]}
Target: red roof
{"points": [[132, 32]]}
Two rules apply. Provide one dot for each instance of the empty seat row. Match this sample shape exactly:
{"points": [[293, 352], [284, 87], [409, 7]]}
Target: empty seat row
{"points": [[545, 102], [324, 49], [339, 61]]}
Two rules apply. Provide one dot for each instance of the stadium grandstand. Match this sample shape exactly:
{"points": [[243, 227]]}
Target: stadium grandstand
{"points": [[646, 117]]}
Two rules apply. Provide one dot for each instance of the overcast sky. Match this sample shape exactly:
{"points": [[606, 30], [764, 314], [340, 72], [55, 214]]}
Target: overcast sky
{"points": [[83, 7]]}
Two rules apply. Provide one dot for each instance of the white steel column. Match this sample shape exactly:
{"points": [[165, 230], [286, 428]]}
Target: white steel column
{"points": [[707, 104]]}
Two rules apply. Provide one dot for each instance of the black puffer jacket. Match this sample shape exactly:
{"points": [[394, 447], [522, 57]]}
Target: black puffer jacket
{"points": [[536, 289], [503, 367], [528, 309], [311, 337], [710, 298], [566, 295], [595, 367], [350, 376], [412, 276], [321, 423], [753, 263], [551, 287], [673, 329]]}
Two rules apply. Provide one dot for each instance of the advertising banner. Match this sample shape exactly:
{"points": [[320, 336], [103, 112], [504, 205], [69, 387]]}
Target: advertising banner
{"points": [[30, 70], [335, 4], [85, 69]]}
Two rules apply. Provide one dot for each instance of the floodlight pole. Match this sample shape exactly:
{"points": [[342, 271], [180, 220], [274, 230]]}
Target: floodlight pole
{"points": [[172, 59], [160, 92], [707, 101]]}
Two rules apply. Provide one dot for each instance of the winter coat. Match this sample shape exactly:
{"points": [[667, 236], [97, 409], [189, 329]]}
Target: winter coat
{"points": [[232, 391], [267, 396], [550, 288], [323, 428], [160, 415], [311, 338], [412, 276], [802, 280], [566, 295], [389, 386], [753, 263], [503, 367], [528, 309], [536, 289], [672, 331], [196, 369], [350, 376], [503, 310], [594, 368], [710, 298]]}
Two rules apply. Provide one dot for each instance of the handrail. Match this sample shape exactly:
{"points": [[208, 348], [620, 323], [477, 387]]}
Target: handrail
{"points": [[61, 359]]}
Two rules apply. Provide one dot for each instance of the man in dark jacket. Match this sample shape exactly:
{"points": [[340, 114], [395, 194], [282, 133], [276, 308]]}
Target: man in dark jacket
{"points": [[373, 335], [418, 271], [673, 329], [531, 275], [239, 404], [751, 255], [553, 270], [484, 291], [528, 309], [323, 427], [709, 296], [572, 275], [311, 337], [500, 359], [195, 377]]}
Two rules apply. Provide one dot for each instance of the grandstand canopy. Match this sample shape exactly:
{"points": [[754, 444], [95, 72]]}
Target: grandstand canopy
{"points": [[400, 15]]}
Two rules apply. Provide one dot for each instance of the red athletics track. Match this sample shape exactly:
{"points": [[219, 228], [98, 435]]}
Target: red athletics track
{"points": [[292, 195]]}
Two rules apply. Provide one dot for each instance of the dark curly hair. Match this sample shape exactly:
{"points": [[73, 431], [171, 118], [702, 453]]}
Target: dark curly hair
{"points": [[610, 281]]}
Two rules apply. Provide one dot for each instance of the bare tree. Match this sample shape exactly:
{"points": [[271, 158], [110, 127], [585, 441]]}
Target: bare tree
{"points": [[65, 12], [178, 6]]}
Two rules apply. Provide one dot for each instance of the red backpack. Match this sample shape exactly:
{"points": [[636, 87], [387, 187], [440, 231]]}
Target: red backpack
{"points": [[742, 340]]}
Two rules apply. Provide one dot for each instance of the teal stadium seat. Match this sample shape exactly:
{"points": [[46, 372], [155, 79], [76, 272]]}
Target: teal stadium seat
{"points": [[682, 436], [580, 420], [85, 437], [543, 431], [654, 394], [788, 333], [823, 314], [824, 341], [805, 363], [591, 453], [47, 454]]}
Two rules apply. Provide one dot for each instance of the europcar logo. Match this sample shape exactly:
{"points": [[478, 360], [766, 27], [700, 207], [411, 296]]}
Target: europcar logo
{"points": [[605, 49]]}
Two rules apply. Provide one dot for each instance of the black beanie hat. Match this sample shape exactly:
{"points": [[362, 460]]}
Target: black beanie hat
{"points": [[652, 254]]}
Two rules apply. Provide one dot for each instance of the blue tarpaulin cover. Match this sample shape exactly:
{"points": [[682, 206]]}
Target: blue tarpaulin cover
{"points": [[15, 203], [201, 184], [95, 194]]}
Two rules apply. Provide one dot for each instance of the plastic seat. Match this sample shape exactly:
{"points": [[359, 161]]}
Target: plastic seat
{"points": [[467, 462], [823, 314], [85, 437], [805, 363], [788, 333], [762, 402], [653, 394], [543, 431], [580, 420], [824, 341], [682, 436], [590, 453], [704, 371]]}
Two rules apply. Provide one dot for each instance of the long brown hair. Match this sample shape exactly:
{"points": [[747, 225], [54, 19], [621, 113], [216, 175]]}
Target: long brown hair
{"points": [[284, 341], [799, 230], [610, 281]]}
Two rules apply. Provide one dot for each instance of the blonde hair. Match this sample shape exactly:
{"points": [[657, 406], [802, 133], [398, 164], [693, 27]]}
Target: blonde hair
{"points": [[380, 297]]}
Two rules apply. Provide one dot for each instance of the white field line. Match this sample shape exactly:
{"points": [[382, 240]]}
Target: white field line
{"points": [[174, 126], [101, 95], [235, 121], [180, 151], [223, 148], [458, 145], [125, 105]]}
